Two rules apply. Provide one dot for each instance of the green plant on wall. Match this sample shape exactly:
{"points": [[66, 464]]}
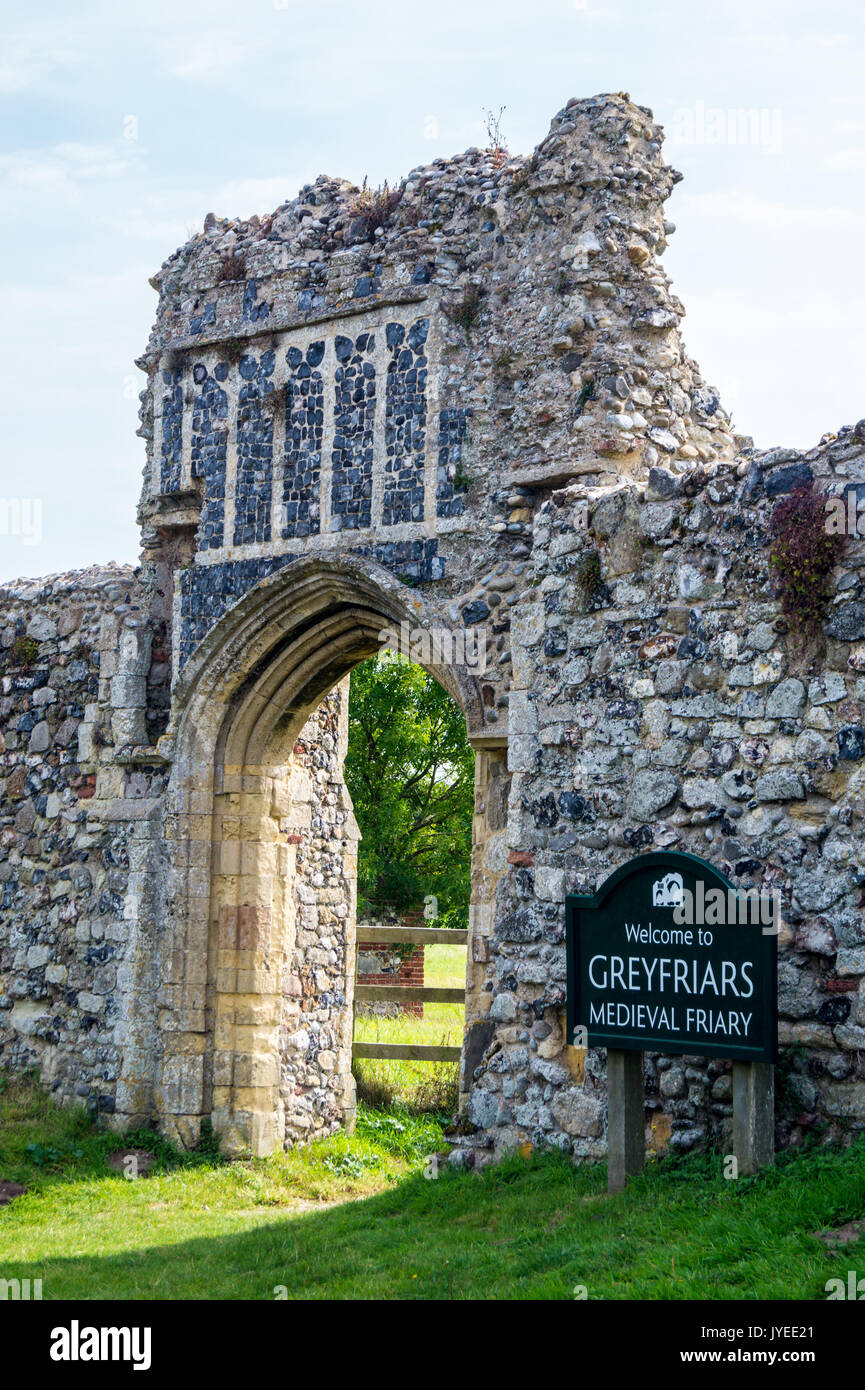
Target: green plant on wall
{"points": [[462, 481], [23, 653], [374, 207], [587, 393], [588, 575], [467, 312], [504, 365]]}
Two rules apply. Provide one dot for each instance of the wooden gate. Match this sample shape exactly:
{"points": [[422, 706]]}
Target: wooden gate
{"points": [[399, 994]]}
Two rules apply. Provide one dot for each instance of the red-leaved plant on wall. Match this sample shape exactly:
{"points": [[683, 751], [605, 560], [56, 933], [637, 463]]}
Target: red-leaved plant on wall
{"points": [[802, 556]]}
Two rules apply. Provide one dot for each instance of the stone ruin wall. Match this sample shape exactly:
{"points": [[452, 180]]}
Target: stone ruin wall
{"points": [[511, 327], [666, 705], [488, 399], [64, 940], [316, 1081], [76, 827]]}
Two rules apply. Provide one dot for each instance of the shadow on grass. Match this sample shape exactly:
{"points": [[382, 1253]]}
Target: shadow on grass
{"points": [[525, 1229]]}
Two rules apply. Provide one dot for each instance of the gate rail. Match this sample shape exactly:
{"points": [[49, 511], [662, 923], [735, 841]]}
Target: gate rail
{"points": [[430, 994]]}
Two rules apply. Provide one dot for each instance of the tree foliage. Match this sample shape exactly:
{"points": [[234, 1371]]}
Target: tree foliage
{"points": [[410, 772]]}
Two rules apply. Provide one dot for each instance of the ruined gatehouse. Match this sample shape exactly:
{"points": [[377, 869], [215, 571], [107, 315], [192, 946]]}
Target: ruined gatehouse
{"points": [[466, 407]]}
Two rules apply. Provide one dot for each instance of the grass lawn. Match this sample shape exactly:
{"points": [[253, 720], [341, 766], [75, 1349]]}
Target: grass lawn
{"points": [[418, 1085], [356, 1218]]}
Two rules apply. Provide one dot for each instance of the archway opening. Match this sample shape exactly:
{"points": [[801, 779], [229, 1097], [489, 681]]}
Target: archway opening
{"points": [[410, 771], [252, 1024]]}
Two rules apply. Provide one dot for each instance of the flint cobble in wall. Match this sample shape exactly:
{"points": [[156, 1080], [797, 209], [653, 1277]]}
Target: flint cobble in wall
{"points": [[478, 413], [63, 873], [668, 705]]}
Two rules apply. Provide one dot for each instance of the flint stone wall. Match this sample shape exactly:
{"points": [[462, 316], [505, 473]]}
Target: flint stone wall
{"points": [[474, 411], [316, 1083], [77, 825], [64, 875], [316, 382], [665, 704]]}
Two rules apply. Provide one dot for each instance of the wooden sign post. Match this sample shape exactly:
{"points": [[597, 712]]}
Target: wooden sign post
{"points": [[669, 957], [626, 1129]]}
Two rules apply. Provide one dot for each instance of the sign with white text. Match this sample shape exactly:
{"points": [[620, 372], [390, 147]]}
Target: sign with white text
{"points": [[669, 957]]}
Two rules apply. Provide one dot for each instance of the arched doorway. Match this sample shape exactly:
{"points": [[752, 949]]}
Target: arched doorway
{"points": [[410, 771], [231, 902]]}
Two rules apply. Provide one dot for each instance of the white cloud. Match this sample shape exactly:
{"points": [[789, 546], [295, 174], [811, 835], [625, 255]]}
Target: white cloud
{"points": [[31, 59], [169, 218], [847, 161], [107, 161], [751, 348], [57, 171], [745, 206], [213, 57], [743, 318], [243, 197], [166, 233]]}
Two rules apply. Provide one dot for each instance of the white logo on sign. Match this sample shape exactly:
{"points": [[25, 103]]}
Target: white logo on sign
{"points": [[667, 892]]}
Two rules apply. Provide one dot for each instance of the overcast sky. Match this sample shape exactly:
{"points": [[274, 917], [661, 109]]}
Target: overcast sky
{"points": [[124, 124]]}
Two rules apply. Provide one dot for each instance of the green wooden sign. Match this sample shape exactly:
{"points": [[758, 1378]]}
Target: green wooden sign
{"points": [[669, 957]]}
